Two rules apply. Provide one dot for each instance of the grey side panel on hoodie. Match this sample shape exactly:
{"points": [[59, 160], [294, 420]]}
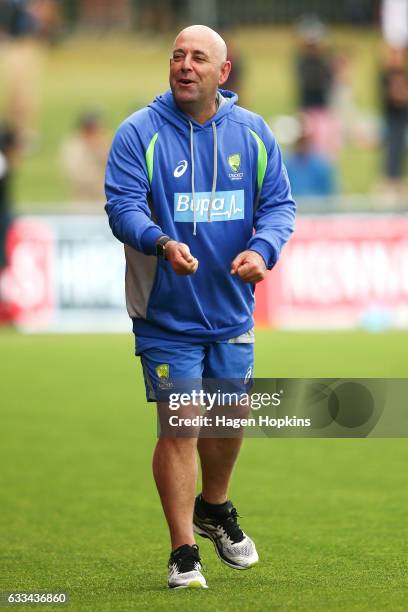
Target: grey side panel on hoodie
{"points": [[140, 275]]}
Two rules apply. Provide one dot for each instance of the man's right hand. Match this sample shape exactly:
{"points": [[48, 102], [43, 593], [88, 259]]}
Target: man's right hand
{"points": [[179, 256]]}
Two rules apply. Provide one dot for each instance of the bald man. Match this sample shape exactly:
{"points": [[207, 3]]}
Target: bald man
{"points": [[197, 192]]}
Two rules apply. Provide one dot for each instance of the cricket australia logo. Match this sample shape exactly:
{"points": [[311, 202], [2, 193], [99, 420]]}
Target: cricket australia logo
{"points": [[234, 162], [163, 371]]}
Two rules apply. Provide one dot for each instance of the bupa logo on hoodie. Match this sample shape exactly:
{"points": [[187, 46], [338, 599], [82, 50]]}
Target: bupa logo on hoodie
{"points": [[225, 206]]}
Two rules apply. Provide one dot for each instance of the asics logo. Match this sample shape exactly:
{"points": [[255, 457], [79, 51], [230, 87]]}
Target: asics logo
{"points": [[180, 168]]}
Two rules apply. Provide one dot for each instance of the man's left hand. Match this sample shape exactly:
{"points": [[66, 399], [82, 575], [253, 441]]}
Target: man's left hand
{"points": [[249, 266]]}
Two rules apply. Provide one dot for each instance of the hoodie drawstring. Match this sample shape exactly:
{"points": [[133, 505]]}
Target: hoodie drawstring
{"points": [[192, 177], [214, 184], [215, 173]]}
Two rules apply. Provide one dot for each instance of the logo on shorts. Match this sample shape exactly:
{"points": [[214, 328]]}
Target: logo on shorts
{"points": [[248, 375], [180, 169], [163, 371]]}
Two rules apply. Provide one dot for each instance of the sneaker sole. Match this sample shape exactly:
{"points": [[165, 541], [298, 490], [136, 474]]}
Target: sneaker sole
{"points": [[194, 584], [204, 534]]}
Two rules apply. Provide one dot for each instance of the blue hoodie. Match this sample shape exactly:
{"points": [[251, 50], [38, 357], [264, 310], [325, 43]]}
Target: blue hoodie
{"points": [[210, 186]]}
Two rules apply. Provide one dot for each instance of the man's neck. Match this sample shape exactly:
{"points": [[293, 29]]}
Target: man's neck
{"points": [[200, 115]]}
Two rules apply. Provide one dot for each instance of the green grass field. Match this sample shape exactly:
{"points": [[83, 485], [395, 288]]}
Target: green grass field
{"points": [[79, 511]]}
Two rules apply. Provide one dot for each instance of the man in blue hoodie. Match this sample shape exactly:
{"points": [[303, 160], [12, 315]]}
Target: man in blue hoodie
{"points": [[197, 192]]}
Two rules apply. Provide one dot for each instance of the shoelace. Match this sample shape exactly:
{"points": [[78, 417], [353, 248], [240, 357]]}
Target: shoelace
{"points": [[231, 526], [186, 562]]}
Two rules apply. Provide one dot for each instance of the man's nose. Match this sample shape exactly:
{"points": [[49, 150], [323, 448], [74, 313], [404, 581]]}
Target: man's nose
{"points": [[187, 64]]}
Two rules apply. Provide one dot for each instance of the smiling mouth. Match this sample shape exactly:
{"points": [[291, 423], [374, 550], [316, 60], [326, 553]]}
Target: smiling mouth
{"points": [[186, 81]]}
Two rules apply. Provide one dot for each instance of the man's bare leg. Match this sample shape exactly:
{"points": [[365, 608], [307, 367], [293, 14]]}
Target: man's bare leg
{"points": [[215, 517], [218, 457], [175, 473]]}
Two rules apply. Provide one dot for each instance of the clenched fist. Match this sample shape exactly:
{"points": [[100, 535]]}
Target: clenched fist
{"points": [[249, 266], [179, 256]]}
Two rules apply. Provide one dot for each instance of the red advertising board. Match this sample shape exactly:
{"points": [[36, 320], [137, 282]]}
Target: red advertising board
{"points": [[340, 272], [27, 282]]}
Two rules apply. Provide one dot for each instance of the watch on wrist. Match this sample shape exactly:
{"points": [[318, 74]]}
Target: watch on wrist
{"points": [[161, 246]]}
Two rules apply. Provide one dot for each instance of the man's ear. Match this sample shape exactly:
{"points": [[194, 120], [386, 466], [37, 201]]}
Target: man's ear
{"points": [[225, 72]]}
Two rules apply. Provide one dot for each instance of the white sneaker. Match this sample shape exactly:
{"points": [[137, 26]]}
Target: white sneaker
{"points": [[231, 544], [185, 569]]}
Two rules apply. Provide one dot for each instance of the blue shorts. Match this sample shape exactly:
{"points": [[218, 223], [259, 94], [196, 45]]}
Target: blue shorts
{"points": [[184, 366]]}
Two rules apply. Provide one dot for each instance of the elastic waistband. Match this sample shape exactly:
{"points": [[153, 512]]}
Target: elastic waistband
{"points": [[141, 327]]}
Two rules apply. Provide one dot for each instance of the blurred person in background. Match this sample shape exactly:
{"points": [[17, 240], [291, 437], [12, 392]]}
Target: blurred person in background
{"points": [[83, 158], [310, 173], [394, 23], [102, 15], [235, 79], [341, 100], [314, 81], [24, 25], [48, 17], [394, 95], [8, 159], [356, 125], [160, 16]]}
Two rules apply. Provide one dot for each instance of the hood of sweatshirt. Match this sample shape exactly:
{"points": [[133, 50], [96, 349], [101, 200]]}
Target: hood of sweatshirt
{"points": [[167, 108]]}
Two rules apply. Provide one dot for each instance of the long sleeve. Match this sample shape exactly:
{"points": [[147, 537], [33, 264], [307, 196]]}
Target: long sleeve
{"points": [[275, 213], [127, 188]]}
